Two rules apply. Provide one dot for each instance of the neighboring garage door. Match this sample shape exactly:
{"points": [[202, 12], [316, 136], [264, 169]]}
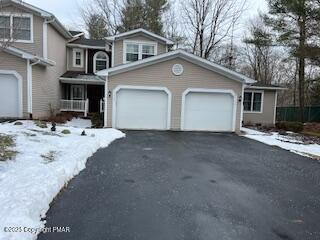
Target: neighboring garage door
{"points": [[9, 96], [208, 111], [142, 109]]}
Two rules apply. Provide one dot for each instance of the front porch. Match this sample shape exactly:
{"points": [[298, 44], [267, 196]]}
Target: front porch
{"points": [[85, 95]]}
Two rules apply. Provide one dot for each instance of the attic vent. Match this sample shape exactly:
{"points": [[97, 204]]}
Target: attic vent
{"points": [[177, 69]]}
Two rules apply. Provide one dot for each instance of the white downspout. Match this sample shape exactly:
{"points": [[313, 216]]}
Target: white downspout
{"points": [[29, 84], [106, 90], [112, 54], [275, 108], [29, 87]]}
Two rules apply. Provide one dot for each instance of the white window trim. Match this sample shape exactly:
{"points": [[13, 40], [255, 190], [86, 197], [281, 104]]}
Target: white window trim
{"points": [[140, 43], [11, 15], [118, 88], [206, 90], [95, 59], [252, 96], [75, 51]]}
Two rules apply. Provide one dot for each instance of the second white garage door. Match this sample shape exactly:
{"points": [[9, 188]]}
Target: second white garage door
{"points": [[142, 109], [208, 111]]}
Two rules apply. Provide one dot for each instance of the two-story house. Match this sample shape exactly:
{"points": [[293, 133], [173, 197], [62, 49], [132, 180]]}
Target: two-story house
{"points": [[133, 77]]}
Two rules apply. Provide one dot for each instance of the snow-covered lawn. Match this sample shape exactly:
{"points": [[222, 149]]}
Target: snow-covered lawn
{"points": [[79, 123], [44, 164], [285, 142]]}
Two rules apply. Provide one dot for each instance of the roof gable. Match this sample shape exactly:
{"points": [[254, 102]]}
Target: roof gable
{"points": [[140, 31], [49, 17], [178, 54]]}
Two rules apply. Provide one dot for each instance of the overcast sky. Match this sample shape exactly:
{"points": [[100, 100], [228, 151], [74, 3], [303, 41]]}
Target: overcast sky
{"points": [[67, 11]]}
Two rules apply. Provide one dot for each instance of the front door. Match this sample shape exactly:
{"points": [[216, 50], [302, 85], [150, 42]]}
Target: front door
{"points": [[95, 93]]}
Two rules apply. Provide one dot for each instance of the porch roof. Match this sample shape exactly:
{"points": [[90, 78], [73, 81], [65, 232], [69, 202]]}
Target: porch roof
{"points": [[81, 78]]}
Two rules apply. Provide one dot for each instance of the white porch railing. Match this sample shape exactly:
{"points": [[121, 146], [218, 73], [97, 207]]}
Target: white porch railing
{"points": [[101, 105], [75, 106]]}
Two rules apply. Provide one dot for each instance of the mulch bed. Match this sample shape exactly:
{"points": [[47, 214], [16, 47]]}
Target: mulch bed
{"points": [[305, 138]]}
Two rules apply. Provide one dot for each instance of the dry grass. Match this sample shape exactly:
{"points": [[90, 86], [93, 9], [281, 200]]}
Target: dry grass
{"points": [[49, 157], [6, 145]]}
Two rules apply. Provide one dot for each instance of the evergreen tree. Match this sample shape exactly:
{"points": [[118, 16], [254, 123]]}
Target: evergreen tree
{"points": [[145, 14], [295, 21], [133, 15]]}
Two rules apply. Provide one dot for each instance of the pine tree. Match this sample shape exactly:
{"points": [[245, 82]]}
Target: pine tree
{"points": [[294, 21], [145, 14]]}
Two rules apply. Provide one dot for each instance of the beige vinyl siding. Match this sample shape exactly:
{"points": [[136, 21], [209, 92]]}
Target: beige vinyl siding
{"points": [[46, 85], [36, 47], [70, 61], [118, 47], [160, 75], [10, 62], [267, 115]]}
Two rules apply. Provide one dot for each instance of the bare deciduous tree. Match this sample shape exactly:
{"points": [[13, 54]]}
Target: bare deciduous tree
{"points": [[209, 23], [109, 9]]}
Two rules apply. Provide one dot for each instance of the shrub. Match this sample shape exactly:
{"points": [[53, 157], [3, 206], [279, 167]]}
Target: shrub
{"points": [[41, 124], [18, 123], [290, 126], [65, 131], [97, 120], [6, 143]]}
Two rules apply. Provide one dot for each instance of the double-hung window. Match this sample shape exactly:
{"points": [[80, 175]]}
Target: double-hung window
{"points": [[78, 57], [134, 51], [252, 101], [5, 29], [16, 27]]}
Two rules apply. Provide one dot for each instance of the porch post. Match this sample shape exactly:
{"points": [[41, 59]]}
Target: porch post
{"points": [[106, 103]]}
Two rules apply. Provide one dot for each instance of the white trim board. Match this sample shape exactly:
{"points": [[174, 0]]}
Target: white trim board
{"points": [[20, 90], [172, 55], [275, 108], [140, 30], [207, 90], [118, 88], [262, 100]]}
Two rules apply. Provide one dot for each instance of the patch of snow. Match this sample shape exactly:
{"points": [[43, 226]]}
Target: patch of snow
{"points": [[29, 183], [79, 123], [285, 142]]}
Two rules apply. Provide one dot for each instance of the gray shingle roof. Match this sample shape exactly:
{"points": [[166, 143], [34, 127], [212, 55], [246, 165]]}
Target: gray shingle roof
{"points": [[89, 42]]}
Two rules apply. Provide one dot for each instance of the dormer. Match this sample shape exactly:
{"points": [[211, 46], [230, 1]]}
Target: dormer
{"points": [[136, 45]]}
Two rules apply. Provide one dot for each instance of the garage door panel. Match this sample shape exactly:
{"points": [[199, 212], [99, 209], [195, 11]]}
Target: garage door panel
{"points": [[9, 96], [208, 111], [141, 109]]}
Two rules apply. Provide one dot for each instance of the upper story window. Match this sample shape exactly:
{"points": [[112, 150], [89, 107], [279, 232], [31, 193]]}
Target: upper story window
{"points": [[78, 57], [134, 51], [100, 61], [253, 101], [16, 27]]}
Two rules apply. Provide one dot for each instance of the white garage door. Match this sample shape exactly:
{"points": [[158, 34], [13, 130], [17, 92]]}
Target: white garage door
{"points": [[206, 111], [141, 109], [9, 96]]}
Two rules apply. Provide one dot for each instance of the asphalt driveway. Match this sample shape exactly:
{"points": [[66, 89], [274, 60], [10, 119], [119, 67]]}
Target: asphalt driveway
{"points": [[175, 185]]}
